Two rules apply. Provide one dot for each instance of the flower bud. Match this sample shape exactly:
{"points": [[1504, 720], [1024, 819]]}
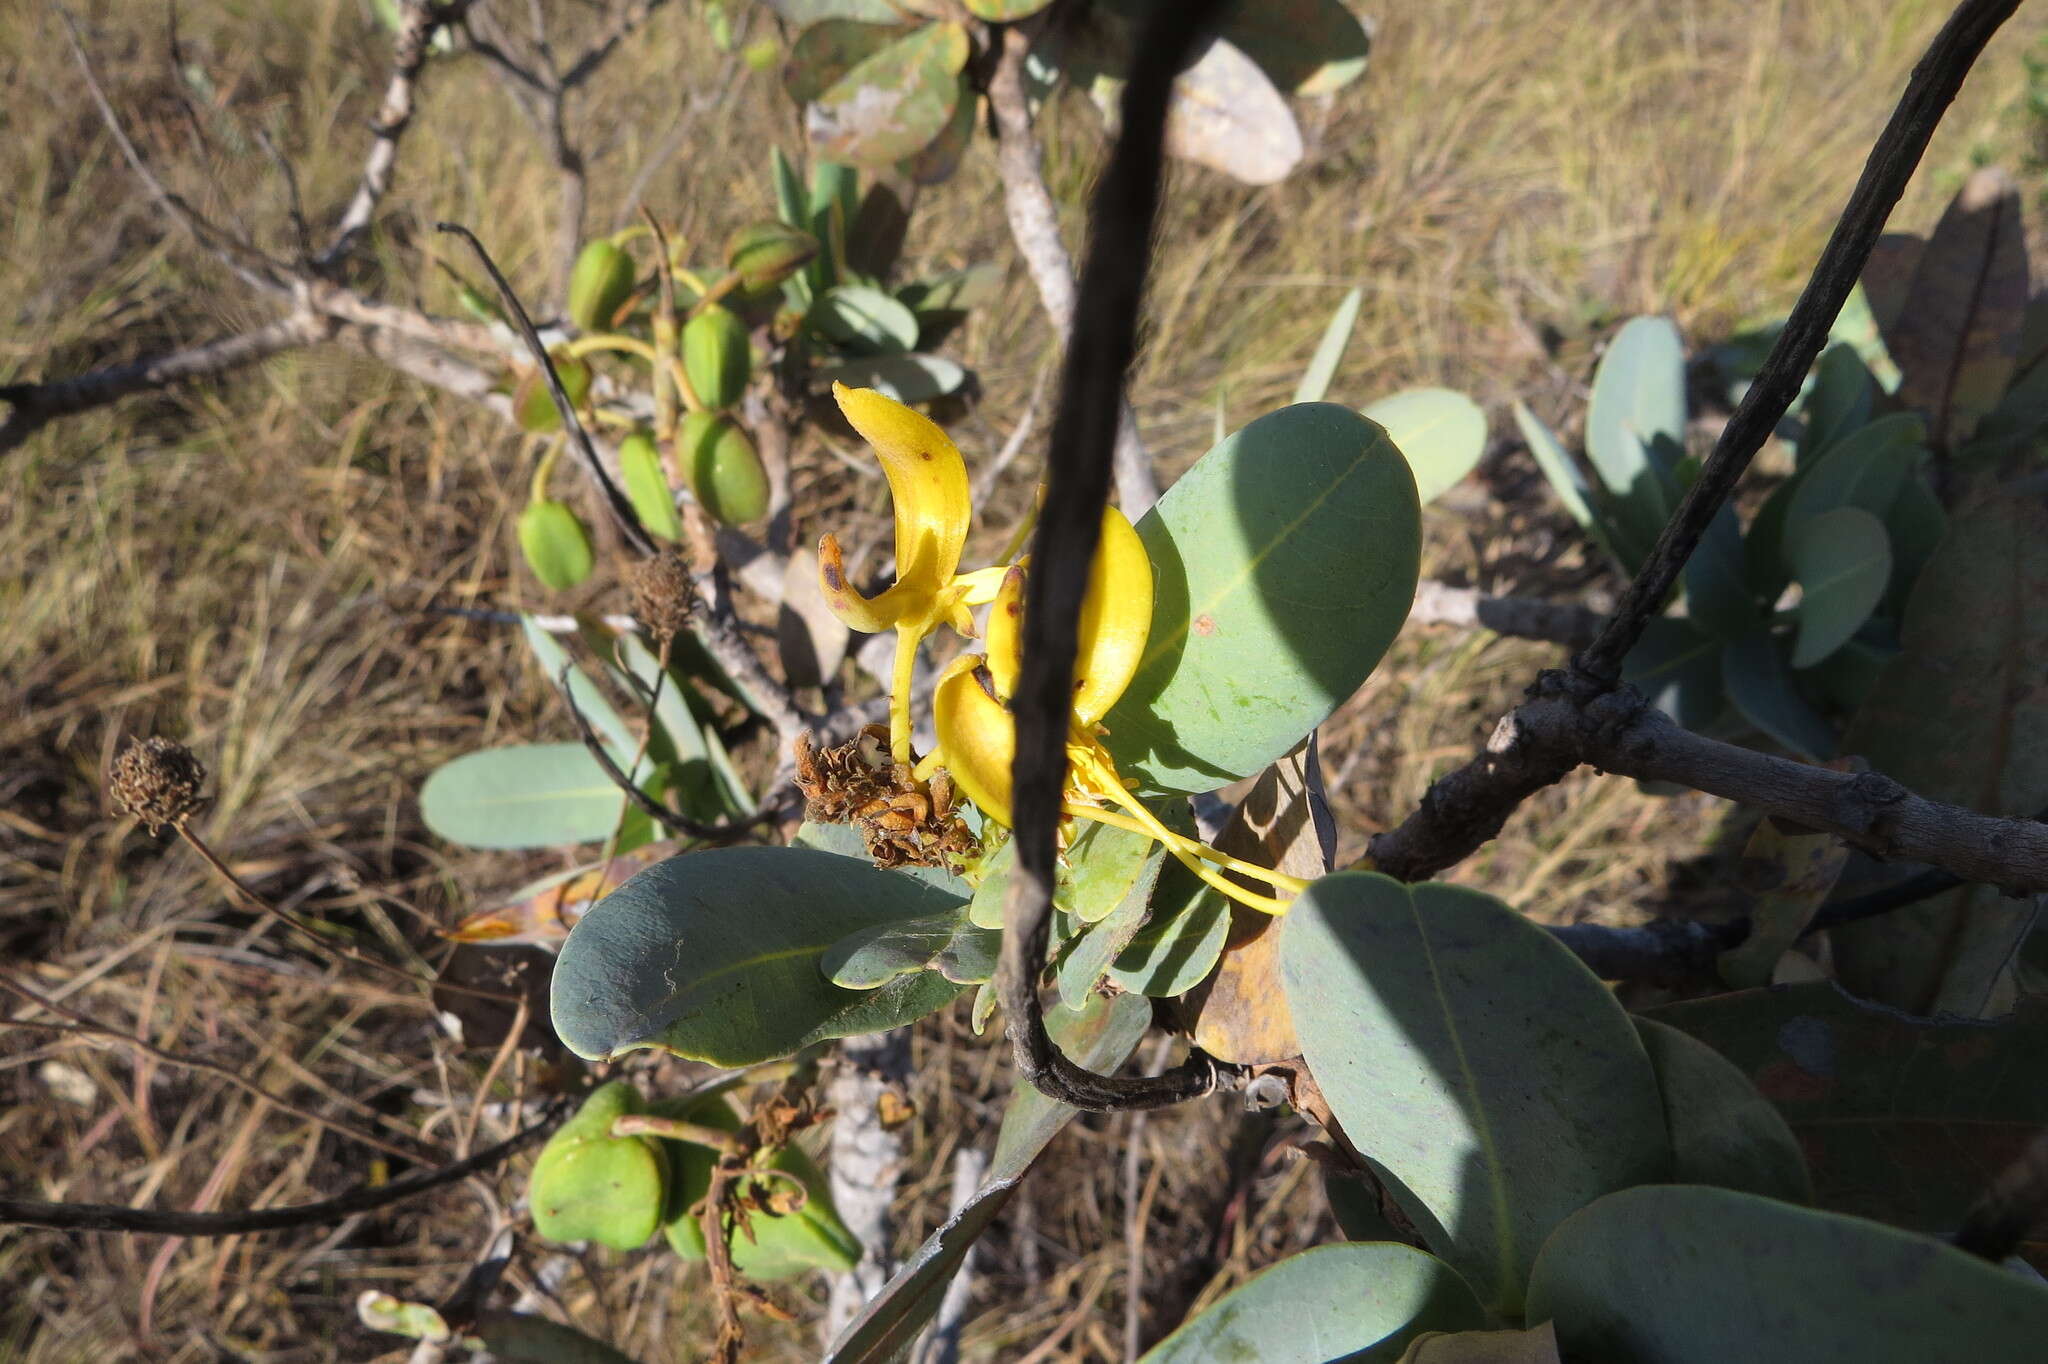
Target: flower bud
{"points": [[716, 357], [723, 469], [556, 546], [766, 254], [601, 281]]}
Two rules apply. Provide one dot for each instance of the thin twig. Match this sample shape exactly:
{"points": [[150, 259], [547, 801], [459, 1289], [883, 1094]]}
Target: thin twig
{"points": [[671, 820], [1467, 807], [369, 1198], [1099, 351]]}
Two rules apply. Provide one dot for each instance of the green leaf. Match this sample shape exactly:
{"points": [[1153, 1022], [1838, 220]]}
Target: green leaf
{"points": [[1090, 953], [1754, 674], [945, 942], [1864, 469], [1678, 667], [1005, 11], [591, 1186], [1960, 716], [772, 1247], [906, 378], [1635, 426], [1098, 1037], [825, 52], [1286, 561], [1440, 431], [1844, 391], [1561, 471], [1956, 337], [556, 546], [1098, 871], [1322, 367], [1306, 47], [520, 1338], [789, 190], [589, 698], [1723, 1132], [1475, 1060], [525, 796], [654, 502], [1717, 595], [1178, 947], [937, 161], [864, 319], [715, 956], [1915, 523], [892, 103], [1901, 1119], [1842, 561], [1359, 1301], [804, 12], [1689, 1275]]}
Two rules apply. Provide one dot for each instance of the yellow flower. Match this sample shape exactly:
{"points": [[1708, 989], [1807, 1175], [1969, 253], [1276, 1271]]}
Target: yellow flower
{"points": [[970, 701], [928, 483]]}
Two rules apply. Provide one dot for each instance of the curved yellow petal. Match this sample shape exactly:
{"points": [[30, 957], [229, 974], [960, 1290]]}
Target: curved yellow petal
{"points": [[1116, 617], [927, 481], [1005, 633], [977, 738], [870, 615]]}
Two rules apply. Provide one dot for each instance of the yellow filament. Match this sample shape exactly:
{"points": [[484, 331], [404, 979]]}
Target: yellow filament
{"points": [[631, 345]]}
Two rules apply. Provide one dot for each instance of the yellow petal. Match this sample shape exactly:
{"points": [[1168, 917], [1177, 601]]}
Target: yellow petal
{"points": [[977, 738], [1116, 617], [1005, 633], [927, 481], [870, 615]]}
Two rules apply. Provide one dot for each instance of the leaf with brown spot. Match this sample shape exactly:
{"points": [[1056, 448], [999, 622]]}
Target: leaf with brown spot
{"points": [[892, 103], [1240, 1013], [1956, 335]]}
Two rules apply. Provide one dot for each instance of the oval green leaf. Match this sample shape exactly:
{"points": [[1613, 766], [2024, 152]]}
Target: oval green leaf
{"points": [[1441, 431], [715, 956], [1678, 667], [1360, 1301], [1723, 1132], [1322, 366], [1475, 1060], [1684, 1274], [1285, 563], [1754, 673], [1635, 425], [1864, 469], [1306, 47], [890, 104], [525, 796], [1842, 560], [864, 319], [906, 378]]}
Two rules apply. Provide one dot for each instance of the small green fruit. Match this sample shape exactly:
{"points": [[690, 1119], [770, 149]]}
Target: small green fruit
{"points": [[723, 469], [647, 486], [782, 1247], [601, 281], [766, 254], [535, 409], [716, 357], [591, 1186], [556, 546]]}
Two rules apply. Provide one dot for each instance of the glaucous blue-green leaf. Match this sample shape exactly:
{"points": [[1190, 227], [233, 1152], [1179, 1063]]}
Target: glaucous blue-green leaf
{"points": [[716, 956], [1285, 563], [1723, 1132], [1475, 1061], [525, 796], [1090, 953], [1684, 1274], [945, 942], [1915, 523], [1717, 595], [1179, 945], [1322, 366], [1635, 424], [906, 378], [589, 698], [1843, 393], [857, 316], [1901, 1119], [1842, 560], [1099, 1037], [1864, 469], [526, 1338], [1306, 47], [789, 190], [893, 102], [1754, 673], [1678, 667], [1441, 431], [1361, 1300], [1562, 472], [1961, 716]]}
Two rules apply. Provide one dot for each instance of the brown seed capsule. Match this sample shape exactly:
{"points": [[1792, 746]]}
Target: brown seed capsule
{"points": [[902, 821], [664, 595], [157, 781]]}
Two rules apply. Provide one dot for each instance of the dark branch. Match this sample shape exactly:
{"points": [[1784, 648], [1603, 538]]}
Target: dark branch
{"points": [[118, 1217], [1468, 806], [1078, 464], [668, 819]]}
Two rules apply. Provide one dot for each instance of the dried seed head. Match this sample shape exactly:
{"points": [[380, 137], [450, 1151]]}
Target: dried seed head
{"points": [[157, 781], [903, 822], [664, 595]]}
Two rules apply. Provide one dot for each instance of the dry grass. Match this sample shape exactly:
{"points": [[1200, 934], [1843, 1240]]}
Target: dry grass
{"points": [[246, 566]]}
